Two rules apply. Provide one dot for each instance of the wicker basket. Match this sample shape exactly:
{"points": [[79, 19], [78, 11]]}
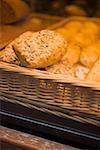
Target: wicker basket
{"points": [[77, 100]]}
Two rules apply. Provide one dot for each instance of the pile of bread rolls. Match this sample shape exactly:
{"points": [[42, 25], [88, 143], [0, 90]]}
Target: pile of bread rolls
{"points": [[72, 50], [83, 51]]}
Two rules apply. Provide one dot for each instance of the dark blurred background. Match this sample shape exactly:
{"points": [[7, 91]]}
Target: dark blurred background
{"points": [[66, 7]]}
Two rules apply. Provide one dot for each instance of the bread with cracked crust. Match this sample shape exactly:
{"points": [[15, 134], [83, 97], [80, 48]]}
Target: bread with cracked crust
{"points": [[41, 49], [8, 54]]}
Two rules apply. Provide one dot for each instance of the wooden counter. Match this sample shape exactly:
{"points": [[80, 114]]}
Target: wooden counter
{"points": [[28, 142]]}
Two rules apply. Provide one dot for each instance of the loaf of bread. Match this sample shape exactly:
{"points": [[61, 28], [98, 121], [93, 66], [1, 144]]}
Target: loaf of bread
{"points": [[40, 49], [12, 11]]}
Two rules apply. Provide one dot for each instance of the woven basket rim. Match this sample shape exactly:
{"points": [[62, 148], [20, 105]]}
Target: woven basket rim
{"points": [[47, 75]]}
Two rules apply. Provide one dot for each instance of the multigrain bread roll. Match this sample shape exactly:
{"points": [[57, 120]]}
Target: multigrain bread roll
{"points": [[8, 54], [12, 11], [94, 74], [71, 71], [61, 68], [41, 49]]}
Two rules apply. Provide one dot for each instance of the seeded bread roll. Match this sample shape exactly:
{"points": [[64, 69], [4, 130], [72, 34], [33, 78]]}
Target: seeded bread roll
{"points": [[74, 71], [61, 68], [8, 54], [41, 49]]}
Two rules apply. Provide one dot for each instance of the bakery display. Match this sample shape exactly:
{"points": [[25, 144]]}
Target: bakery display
{"points": [[72, 50]]}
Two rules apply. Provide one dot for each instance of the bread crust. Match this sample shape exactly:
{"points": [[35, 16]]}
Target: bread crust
{"points": [[94, 74], [40, 49]]}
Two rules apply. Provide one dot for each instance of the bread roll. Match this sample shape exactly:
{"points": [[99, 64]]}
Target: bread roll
{"points": [[90, 54], [8, 54], [90, 27], [60, 68], [88, 34], [73, 54], [72, 71], [80, 71], [94, 74], [41, 49], [74, 26]]}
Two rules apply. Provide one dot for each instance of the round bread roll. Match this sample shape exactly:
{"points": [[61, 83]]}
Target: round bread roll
{"points": [[70, 30], [66, 33], [12, 11], [41, 49], [90, 27], [88, 34], [73, 54], [74, 26], [90, 54]]}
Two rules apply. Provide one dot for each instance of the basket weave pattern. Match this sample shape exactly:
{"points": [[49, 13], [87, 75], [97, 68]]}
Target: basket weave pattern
{"points": [[62, 99]]}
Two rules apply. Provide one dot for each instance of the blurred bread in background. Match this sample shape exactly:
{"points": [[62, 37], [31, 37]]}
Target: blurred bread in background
{"points": [[12, 11]]}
